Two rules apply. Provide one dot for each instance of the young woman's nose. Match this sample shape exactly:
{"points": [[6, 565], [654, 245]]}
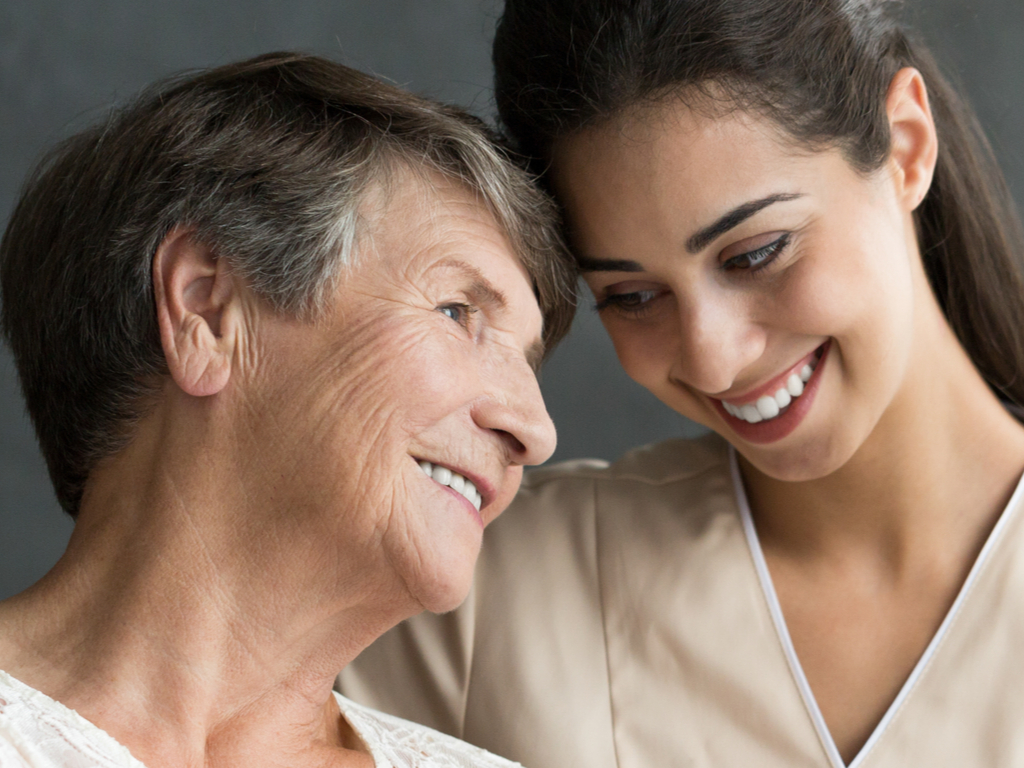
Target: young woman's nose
{"points": [[514, 410], [717, 341]]}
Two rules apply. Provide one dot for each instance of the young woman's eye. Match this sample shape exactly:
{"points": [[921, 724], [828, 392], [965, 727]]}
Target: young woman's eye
{"points": [[633, 303], [458, 312], [758, 258]]}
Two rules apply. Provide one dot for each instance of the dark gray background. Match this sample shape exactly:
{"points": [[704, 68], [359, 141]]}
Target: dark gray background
{"points": [[63, 61]]}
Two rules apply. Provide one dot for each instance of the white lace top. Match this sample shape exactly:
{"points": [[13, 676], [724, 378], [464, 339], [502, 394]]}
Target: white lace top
{"points": [[38, 732]]}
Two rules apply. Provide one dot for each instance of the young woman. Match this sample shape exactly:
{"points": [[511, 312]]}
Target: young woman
{"points": [[795, 235]]}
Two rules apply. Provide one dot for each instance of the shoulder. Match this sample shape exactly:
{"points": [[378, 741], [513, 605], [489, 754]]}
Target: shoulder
{"points": [[656, 464], [404, 744], [645, 471], [38, 732], [552, 525]]}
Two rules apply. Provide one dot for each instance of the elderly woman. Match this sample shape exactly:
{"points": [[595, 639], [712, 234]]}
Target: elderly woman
{"points": [[277, 326]]}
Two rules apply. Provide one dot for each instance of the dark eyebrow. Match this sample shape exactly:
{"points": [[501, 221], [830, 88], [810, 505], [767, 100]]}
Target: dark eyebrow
{"points": [[697, 242], [588, 264], [701, 239]]}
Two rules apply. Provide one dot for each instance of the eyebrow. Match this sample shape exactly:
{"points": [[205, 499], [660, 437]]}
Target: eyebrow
{"points": [[590, 264], [482, 292], [704, 237], [696, 242]]}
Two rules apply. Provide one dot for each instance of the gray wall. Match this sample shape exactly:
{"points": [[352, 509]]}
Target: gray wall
{"points": [[63, 61]]}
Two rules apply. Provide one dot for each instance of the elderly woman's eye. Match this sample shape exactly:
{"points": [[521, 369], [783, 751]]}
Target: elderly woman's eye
{"points": [[458, 312]]}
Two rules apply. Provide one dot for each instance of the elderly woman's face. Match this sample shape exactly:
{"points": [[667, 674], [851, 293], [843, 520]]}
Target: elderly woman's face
{"points": [[375, 426]]}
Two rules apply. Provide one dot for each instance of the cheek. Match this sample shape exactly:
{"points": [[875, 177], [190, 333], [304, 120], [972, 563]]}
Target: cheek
{"points": [[401, 377], [337, 410], [646, 350], [856, 289], [854, 285], [431, 546]]}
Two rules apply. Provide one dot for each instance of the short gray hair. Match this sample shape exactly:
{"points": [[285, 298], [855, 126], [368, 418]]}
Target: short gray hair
{"points": [[267, 161]]}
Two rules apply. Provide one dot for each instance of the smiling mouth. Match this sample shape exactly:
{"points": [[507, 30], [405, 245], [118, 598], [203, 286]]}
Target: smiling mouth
{"points": [[773, 405], [451, 479]]}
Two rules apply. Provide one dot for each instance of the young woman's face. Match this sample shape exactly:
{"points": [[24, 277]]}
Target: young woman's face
{"points": [[769, 294]]}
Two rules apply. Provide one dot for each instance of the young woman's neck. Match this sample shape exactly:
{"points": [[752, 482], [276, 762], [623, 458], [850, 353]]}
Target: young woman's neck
{"points": [[171, 624], [934, 474]]}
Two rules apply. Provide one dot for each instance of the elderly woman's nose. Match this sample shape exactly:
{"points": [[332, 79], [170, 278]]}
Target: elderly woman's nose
{"points": [[515, 411], [717, 341]]}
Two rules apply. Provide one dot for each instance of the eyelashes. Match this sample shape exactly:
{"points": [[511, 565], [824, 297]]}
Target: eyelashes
{"points": [[758, 259], [752, 264], [459, 312], [634, 302]]}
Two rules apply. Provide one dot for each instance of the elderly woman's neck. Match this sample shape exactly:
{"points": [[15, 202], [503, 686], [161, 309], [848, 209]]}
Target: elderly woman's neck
{"points": [[172, 599]]}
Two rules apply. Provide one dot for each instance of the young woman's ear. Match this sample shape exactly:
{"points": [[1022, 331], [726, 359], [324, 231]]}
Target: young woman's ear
{"points": [[914, 143], [196, 305]]}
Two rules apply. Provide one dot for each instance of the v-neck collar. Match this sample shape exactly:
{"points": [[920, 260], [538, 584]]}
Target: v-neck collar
{"points": [[775, 608]]}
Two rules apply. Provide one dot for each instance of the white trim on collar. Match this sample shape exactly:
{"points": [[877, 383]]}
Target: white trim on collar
{"points": [[775, 609]]}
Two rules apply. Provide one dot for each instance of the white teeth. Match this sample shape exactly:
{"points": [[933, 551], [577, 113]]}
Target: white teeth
{"points": [[453, 480], [783, 398], [770, 406], [750, 413], [767, 407]]}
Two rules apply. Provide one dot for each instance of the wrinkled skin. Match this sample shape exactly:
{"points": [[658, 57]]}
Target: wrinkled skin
{"points": [[416, 360], [269, 519]]}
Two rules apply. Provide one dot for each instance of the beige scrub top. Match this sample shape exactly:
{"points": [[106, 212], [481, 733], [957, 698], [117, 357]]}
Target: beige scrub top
{"points": [[623, 616]]}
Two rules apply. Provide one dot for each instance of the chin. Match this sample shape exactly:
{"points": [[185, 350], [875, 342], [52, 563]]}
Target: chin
{"points": [[445, 586], [804, 463], [447, 595]]}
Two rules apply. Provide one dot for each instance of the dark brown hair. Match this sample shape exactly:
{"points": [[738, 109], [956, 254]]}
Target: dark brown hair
{"points": [[267, 161], [821, 70]]}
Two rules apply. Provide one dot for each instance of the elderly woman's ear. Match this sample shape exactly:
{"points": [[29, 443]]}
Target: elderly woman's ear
{"points": [[198, 307]]}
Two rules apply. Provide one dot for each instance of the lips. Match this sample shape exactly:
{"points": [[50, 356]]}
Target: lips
{"points": [[772, 405], [753, 418], [454, 480]]}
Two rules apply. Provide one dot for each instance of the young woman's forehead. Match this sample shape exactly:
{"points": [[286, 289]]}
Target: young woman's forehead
{"points": [[687, 172]]}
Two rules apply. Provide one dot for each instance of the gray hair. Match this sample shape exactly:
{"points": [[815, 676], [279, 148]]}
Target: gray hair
{"points": [[267, 162]]}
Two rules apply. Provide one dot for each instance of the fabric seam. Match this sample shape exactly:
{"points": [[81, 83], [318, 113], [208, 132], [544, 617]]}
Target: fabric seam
{"points": [[471, 651], [920, 667], [604, 619]]}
